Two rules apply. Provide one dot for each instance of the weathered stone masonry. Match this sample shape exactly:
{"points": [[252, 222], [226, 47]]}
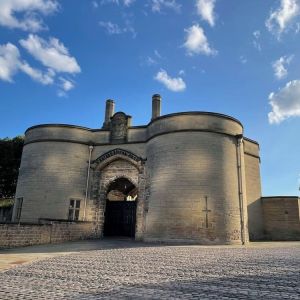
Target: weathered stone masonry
{"points": [[17, 235]]}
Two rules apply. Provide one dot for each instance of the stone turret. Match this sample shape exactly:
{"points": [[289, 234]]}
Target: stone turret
{"points": [[109, 112], [156, 106]]}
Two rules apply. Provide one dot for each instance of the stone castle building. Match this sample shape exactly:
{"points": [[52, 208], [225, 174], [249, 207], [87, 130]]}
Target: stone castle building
{"points": [[183, 177]]}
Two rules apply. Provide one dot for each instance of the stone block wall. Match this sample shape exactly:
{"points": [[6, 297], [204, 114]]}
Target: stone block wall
{"points": [[18, 235], [189, 174], [253, 188], [51, 174], [281, 218]]}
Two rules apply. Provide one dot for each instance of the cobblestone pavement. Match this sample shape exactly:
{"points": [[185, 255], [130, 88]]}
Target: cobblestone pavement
{"points": [[139, 271]]}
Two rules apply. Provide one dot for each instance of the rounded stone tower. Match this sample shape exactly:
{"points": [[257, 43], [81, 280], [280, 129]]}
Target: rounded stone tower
{"points": [[196, 177]]}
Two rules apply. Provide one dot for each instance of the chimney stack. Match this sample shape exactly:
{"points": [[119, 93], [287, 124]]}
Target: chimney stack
{"points": [[109, 112], [156, 106]]}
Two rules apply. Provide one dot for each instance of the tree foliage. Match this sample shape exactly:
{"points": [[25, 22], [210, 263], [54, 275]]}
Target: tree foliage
{"points": [[10, 159]]}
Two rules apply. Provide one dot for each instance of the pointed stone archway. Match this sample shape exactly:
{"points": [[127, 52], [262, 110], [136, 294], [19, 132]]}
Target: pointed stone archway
{"points": [[109, 168]]}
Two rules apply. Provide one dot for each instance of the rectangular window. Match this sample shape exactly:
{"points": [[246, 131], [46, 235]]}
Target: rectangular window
{"points": [[19, 204], [74, 209]]}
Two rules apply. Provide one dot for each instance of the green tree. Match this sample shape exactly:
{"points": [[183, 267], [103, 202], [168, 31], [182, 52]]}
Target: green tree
{"points": [[10, 159]]}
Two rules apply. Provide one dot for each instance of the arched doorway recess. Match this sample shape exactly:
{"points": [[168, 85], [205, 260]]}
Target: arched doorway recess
{"points": [[107, 169], [120, 212]]}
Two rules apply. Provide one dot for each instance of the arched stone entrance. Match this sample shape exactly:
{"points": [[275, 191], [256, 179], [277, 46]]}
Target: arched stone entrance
{"points": [[112, 171], [120, 211]]}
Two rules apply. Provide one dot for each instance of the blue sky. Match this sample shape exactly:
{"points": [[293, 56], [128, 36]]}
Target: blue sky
{"points": [[60, 61]]}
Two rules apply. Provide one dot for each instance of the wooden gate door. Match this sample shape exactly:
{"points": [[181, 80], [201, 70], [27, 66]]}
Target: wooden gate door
{"points": [[120, 217]]}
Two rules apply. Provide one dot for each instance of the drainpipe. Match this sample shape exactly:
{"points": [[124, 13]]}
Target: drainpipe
{"points": [[241, 186], [87, 180]]}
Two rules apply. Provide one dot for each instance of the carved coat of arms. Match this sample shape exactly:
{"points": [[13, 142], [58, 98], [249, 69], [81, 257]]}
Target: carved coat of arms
{"points": [[119, 126]]}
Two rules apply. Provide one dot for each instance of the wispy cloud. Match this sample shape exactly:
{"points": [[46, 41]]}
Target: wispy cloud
{"points": [[282, 19], [65, 85], [159, 5], [25, 14], [128, 2], [205, 9], [256, 38], [111, 28], [175, 84], [196, 41], [95, 4], [157, 54], [285, 103], [118, 2], [243, 59], [151, 60], [38, 75], [280, 66], [52, 54]]}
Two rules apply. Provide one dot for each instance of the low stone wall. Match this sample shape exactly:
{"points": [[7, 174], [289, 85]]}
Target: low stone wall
{"points": [[281, 218], [17, 235]]}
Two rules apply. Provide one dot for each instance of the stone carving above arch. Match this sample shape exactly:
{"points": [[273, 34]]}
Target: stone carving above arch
{"points": [[119, 128], [118, 153]]}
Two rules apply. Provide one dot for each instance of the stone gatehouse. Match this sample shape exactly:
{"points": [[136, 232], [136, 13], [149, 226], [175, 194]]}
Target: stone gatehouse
{"points": [[183, 177]]}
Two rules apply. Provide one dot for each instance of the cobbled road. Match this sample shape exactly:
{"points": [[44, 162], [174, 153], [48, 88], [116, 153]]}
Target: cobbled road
{"points": [[141, 271]]}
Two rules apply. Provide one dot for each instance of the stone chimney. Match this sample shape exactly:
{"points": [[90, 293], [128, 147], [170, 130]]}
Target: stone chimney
{"points": [[109, 112], [156, 106]]}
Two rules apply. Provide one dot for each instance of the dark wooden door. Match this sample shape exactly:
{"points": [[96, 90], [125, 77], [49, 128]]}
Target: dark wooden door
{"points": [[120, 218]]}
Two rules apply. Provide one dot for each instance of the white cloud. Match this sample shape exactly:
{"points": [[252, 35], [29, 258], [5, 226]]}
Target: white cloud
{"points": [[10, 64], [279, 66], [158, 5], [9, 61], [205, 9], [11, 12], [66, 84], [37, 75], [285, 103], [52, 54], [174, 84], [196, 41], [283, 17]]}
